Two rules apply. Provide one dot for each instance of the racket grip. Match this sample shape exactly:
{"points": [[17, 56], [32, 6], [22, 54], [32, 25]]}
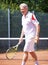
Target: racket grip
{"points": [[18, 43]]}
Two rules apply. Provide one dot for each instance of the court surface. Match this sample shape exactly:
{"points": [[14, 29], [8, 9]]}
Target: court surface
{"points": [[41, 54]]}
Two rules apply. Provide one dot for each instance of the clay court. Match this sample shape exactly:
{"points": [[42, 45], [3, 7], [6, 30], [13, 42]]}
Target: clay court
{"points": [[41, 54]]}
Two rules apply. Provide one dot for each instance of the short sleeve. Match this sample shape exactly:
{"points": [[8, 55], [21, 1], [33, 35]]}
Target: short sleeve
{"points": [[34, 19]]}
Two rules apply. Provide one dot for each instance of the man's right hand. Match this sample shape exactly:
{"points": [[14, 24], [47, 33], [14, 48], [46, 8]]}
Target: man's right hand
{"points": [[20, 39]]}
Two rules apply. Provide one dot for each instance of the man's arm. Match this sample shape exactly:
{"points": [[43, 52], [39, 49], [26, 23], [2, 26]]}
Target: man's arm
{"points": [[21, 36], [22, 33], [37, 29], [37, 25], [37, 32]]}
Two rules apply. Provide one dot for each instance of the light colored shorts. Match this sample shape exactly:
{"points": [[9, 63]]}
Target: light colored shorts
{"points": [[29, 45]]}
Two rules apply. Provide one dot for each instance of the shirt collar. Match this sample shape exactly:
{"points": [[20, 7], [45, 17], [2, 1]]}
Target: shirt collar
{"points": [[26, 15]]}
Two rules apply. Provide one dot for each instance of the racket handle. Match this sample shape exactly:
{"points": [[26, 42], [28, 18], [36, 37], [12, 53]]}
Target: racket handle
{"points": [[18, 43]]}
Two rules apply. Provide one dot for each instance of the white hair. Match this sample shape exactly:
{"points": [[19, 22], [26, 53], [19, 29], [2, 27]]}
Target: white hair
{"points": [[23, 5]]}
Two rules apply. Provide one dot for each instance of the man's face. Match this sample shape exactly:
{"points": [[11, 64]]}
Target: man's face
{"points": [[23, 10]]}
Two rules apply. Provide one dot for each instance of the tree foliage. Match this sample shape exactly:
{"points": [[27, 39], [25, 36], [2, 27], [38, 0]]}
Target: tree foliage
{"points": [[37, 5]]}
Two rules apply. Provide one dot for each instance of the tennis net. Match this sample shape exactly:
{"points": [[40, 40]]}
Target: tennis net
{"points": [[5, 43]]}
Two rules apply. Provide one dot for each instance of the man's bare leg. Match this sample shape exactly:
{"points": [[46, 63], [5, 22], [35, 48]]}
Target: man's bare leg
{"points": [[33, 54], [25, 57]]}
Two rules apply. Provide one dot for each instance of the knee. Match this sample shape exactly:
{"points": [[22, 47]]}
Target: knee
{"points": [[25, 56]]}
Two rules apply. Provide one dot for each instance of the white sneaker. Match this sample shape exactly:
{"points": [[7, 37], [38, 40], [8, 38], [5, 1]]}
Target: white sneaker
{"points": [[36, 64]]}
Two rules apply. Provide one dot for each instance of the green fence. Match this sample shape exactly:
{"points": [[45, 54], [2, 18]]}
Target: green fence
{"points": [[43, 19], [15, 29], [15, 23], [3, 23]]}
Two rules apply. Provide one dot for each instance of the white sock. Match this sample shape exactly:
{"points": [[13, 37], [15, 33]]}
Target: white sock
{"points": [[36, 63], [23, 63]]}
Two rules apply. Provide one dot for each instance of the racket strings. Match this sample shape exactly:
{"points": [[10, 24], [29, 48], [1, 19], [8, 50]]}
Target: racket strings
{"points": [[11, 52]]}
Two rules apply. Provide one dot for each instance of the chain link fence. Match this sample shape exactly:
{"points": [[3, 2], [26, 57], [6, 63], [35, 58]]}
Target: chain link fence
{"points": [[15, 28]]}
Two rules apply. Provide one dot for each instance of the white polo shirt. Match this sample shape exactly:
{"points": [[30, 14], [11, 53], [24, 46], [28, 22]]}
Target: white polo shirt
{"points": [[28, 24]]}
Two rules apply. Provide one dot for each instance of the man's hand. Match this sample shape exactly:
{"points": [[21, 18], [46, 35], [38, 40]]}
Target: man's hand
{"points": [[36, 39], [20, 39]]}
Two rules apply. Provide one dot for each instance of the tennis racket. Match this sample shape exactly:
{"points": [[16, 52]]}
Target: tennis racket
{"points": [[10, 53]]}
